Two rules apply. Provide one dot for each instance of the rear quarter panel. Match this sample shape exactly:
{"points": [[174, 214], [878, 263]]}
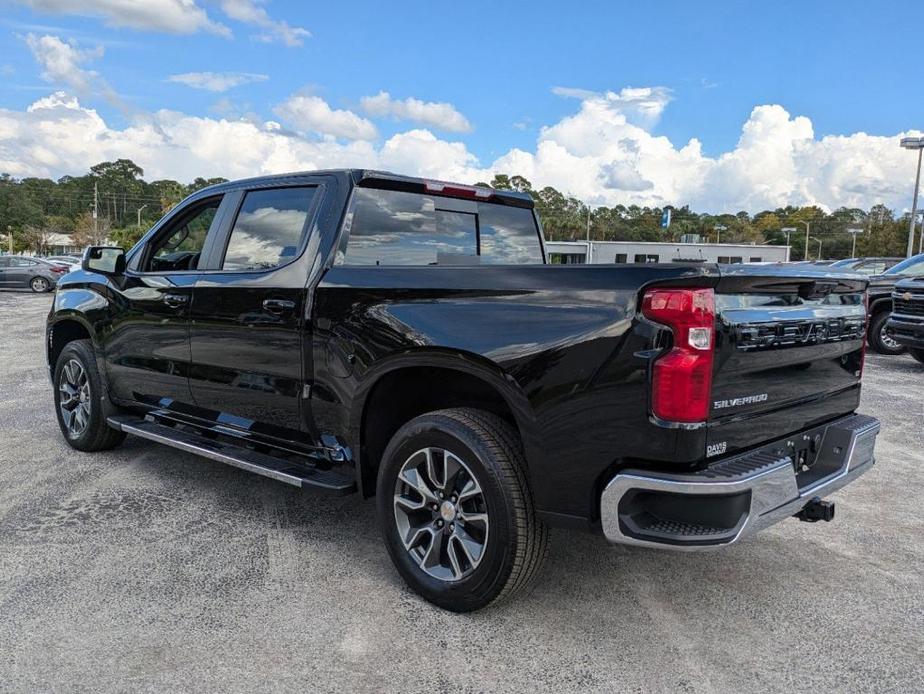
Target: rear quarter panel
{"points": [[561, 339]]}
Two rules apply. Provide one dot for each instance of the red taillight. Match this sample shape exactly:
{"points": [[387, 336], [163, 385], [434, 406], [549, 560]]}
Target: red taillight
{"points": [[458, 191], [681, 383], [58, 269]]}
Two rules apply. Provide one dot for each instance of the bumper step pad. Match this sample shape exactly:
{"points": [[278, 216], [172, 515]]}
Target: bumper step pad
{"points": [[735, 497]]}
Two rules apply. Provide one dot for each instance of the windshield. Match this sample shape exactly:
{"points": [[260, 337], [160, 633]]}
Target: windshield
{"points": [[846, 262], [910, 266]]}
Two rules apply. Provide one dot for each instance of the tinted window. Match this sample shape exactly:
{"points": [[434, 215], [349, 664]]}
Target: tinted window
{"points": [[910, 266], [180, 246], [397, 228], [268, 229], [508, 235]]}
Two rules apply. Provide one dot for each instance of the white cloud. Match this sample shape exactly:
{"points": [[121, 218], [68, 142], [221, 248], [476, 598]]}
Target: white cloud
{"points": [[640, 105], [250, 12], [61, 61], [596, 154], [171, 16], [217, 81], [309, 113], [62, 64], [440, 115], [57, 134], [421, 153]]}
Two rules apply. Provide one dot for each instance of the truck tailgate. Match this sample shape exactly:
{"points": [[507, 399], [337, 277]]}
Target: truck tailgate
{"points": [[789, 352]]}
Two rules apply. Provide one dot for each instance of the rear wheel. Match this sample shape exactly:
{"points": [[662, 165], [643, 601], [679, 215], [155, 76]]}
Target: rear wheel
{"points": [[79, 398], [456, 511], [917, 353], [39, 285], [878, 340]]}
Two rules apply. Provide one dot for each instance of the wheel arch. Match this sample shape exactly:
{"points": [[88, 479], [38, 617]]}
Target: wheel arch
{"points": [[468, 381], [883, 303], [64, 328]]}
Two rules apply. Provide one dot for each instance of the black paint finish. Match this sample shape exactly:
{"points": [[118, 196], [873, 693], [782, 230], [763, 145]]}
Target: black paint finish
{"points": [[292, 355]]}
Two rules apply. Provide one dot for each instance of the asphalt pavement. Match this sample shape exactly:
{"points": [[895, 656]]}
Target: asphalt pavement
{"points": [[147, 569]]}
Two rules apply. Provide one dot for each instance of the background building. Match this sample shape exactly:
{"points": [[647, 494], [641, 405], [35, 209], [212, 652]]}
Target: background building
{"points": [[606, 252]]}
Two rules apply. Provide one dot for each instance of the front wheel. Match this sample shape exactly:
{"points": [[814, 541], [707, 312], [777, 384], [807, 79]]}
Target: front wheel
{"points": [[456, 511], [878, 340], [79, 398], [917, 353], [39, 285]]}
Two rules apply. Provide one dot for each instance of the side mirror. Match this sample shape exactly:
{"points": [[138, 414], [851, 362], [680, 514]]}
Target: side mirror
{"points": [[106, 260]]}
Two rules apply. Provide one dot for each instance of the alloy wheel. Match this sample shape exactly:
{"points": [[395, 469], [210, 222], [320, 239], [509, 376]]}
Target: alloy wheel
{"points": [[887, 339], [74, 400], [39, 284], [441, 514]]}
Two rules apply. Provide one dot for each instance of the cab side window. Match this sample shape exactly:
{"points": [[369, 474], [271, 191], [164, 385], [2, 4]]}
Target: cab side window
{"points": [[179, 246], [269, 228]]}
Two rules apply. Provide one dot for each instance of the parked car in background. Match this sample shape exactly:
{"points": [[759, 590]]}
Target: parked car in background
{"points": [[906, 323], [880, 303], [20, 272], [72, 262], [866, 266]]}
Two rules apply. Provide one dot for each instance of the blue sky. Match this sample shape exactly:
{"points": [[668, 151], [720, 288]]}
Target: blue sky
{"points": [[845, 66]]}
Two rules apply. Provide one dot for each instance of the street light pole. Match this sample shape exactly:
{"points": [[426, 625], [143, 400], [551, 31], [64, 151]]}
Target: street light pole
{"points": [[807, 224], [719, 228], [918, 144], [788, 231], [139, 214], [819, 247]]}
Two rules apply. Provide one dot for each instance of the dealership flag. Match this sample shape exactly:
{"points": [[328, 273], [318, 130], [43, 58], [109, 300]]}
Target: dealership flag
{"points": [[666, 218]]}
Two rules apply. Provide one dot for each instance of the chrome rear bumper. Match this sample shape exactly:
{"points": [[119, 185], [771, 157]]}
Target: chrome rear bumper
{"points": [[737, 496]]}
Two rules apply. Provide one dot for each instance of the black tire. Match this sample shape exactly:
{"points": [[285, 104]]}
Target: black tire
{"points": [[917, 353], [39, 285], [516, 544], [95, 434], [878, 342]]}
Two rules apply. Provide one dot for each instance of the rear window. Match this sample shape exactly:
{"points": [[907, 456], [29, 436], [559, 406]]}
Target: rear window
{"points": [[387, 227]]}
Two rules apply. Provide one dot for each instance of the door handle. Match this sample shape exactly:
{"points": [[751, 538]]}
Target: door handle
{"points": [[277, 306], [176, 300]]}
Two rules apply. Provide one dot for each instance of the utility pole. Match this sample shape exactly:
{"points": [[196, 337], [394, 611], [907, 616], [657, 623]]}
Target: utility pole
{"points": [[95, 210], [807, 224], [589, 254]]}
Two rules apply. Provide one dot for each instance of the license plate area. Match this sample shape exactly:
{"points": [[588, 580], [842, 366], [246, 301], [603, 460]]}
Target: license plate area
{"points": [[819, 453]]}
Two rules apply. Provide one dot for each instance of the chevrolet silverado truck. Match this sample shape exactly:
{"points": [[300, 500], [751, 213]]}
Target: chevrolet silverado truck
{"points": [[906, 322], [880, 292], [359, 331]]}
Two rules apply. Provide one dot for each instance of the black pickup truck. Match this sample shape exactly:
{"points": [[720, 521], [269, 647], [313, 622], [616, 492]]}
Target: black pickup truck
{"points": [[880, 292], [360, 331], [906, 322]]}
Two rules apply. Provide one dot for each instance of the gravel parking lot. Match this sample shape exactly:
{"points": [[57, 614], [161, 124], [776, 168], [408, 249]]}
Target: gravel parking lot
{"points": [[149, 569]]}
